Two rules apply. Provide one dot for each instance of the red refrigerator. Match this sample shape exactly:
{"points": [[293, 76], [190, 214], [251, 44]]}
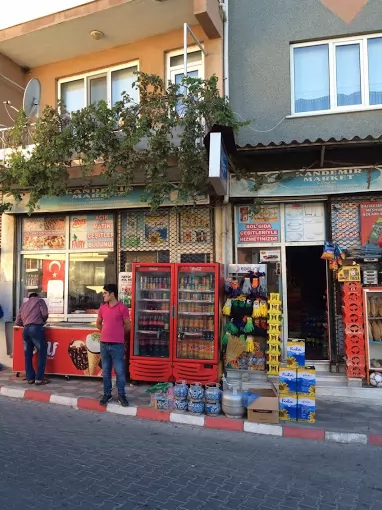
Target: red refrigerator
{"points": [[175, 322]]}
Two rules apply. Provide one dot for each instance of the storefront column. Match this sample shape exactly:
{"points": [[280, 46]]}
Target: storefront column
{"points": [[6, 286]]}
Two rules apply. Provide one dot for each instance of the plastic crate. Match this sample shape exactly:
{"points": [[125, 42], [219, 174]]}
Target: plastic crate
{"points": [[353, 308], [355, 339], [273, 369], [352, 287], [274, 298], [355, 361], [274, 318], [274, 348], [274, 338], [274, 307], [354, 350], [351, 329], [356, 372], [274, 329], [353, 318]]}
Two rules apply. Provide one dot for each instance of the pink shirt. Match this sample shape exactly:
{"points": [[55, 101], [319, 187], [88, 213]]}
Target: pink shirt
{"points": [[113, 328]]}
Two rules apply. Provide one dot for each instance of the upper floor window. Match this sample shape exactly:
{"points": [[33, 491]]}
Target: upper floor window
{"points": [[338, 75], [175, 68], [108, 85]]}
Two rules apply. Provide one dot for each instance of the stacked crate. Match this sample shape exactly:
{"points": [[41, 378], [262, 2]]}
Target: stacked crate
{"points": [[274, 333], [354, 330]]}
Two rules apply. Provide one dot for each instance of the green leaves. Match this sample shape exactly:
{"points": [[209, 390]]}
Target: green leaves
{"points": [[157, 143]]}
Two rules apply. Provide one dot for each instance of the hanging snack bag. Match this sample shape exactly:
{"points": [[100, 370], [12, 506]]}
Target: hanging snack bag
{"points": [[329, 251], [227, 307]]}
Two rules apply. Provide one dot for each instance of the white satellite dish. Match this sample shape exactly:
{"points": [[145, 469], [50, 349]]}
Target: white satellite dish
{"points": [[32, 96]]}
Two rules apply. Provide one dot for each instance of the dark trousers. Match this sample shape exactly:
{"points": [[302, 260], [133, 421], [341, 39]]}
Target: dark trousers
{"points": [[34, 337]]}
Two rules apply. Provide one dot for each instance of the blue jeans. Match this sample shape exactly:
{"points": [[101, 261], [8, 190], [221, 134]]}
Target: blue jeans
{"points": [[34, 336], [112, 355]]}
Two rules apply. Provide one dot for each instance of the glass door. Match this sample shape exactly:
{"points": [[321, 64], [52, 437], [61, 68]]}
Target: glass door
{"points": [[152, 306], [196, 313]]}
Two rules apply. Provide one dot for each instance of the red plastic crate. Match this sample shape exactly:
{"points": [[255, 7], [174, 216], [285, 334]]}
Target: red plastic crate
{"points": [[355, 339], [355, 350], [352, 329], [353, 307], [352, 297], [358, 372], [355, 361], [352, 287], [353, 318]]}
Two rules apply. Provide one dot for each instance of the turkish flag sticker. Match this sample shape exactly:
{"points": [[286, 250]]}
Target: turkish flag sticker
{"points": [[347, 10]]}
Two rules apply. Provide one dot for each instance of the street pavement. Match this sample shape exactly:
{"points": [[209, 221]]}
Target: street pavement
{"points": [[54, 457]]}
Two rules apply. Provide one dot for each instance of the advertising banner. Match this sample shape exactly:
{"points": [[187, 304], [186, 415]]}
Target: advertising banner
{"points": [[371, 223], [71, 351], [310, 182], [305, 222], [92, 231], [260, 226], [195, 226], [43, 233]]}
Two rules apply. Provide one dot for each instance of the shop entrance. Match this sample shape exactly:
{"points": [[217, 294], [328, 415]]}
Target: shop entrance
{"points": [[307, 299]]}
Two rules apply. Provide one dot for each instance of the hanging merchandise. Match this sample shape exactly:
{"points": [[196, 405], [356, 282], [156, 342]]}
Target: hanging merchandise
{"points": [[329, 251], [227, 285], [248, 328], [247, 287], [227, 307], [235, 289]]}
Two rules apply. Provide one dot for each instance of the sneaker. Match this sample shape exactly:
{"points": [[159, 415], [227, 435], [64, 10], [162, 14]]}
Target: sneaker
{"points": [[123, 401], [105, 399]]}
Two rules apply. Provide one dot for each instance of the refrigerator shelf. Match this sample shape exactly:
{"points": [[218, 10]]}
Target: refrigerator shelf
{"points": [[154, 311], [198, 333], [155, 290], [197, 314], [148, 332], [196, 301], [196, 291], [146, 299]]}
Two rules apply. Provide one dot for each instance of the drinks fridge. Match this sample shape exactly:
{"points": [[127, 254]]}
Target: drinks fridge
{"points": [[175, 322]]}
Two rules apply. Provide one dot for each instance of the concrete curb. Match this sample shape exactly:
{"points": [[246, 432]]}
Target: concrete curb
{"points": [[221, 423]]}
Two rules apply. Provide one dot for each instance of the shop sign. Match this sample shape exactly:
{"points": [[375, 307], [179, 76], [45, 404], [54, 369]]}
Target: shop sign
{"points": [[305, 222], [260, 226], [43, 233], [195, 226], [92, 231], [310, 182], [79, 199], [270, 256], [246, 268], [371, 223], [218, 164]]}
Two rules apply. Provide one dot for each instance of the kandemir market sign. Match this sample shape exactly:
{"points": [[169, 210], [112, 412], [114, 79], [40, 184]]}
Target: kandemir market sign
{"points": [[327, 181]]}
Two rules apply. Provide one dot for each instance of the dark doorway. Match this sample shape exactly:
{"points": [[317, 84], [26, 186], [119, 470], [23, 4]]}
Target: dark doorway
{"points": [[307, 298]]}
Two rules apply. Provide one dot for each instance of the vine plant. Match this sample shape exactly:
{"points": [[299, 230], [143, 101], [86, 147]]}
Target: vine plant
{"points": [[125, 140]]}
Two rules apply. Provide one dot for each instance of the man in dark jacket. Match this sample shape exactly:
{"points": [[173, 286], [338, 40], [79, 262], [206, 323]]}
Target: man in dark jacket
{"points": [[33, 314]]}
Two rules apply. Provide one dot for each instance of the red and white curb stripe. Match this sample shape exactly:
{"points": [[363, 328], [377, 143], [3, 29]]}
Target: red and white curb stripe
{"points": [[220, 422]]}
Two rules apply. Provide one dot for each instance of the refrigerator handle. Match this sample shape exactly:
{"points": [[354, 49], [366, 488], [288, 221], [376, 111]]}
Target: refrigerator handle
{"points": [[173, 312]]}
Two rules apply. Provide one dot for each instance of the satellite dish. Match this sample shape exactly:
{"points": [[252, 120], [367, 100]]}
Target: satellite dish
{"points": [[32, 96]]}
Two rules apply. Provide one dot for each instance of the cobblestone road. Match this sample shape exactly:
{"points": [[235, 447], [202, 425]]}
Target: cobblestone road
{"points": [[55, 457]]}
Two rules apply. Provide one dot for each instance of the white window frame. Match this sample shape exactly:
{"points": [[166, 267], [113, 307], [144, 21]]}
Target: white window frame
{"points": [[172, 71], [362, 41], [96, 74]]}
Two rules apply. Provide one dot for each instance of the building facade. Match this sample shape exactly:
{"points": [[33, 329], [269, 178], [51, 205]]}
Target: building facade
{"points": [[81, 52], [309, 81]]}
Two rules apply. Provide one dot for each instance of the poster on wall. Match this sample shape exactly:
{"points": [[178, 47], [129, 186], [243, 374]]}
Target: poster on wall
{"points": [[156, 228], [43, 233], [371, 223], [92, 231], [258, 226], [305, 222], [195, 226], [125, 287], [145, 230]]}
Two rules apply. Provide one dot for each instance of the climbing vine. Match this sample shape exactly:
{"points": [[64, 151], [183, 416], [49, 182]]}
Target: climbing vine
{"points": [[157, 142]]}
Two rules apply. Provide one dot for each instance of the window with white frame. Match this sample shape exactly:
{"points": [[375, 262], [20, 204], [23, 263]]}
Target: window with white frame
{"points": [[108, 85], [175, 68], [337, 75]]}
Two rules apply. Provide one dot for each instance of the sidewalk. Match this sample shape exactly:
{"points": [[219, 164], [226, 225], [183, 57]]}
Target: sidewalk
{"points": [[336, 421]]}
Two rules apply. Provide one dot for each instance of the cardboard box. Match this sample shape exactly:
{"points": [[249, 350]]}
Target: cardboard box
{"points": [[288, 407], [306, 409], [306, 381], [287, 380], [265, 409], [295, 352]]}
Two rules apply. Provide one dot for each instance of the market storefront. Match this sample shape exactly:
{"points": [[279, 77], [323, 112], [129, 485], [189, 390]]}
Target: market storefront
{"points": [[286, 228], [72, 246]]}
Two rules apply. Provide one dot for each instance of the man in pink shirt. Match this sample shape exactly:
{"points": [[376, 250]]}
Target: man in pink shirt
{"points": [[113, 322]]}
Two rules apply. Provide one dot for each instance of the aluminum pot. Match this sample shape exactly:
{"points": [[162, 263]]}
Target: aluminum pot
{"points": [[232, 403]]}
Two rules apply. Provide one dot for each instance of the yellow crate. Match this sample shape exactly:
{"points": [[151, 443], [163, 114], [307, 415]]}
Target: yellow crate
{"points": [[274, 349], [274, 338], [274, 318], [273, 369], [274, 298], [274, 307], [274, 359], [274, 329]]}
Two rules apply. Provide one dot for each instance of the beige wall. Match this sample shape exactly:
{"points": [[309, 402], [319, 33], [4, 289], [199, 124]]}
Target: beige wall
{"points": [[8, 91], [150, 53]]}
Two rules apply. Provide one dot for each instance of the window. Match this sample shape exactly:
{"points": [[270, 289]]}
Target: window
{"points": [[175, 68], [107, 85], [338, 75]]}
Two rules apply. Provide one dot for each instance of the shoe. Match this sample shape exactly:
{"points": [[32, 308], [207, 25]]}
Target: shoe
{"points": [[42, 382], [123, 401], [105, 399], [31, 381]]}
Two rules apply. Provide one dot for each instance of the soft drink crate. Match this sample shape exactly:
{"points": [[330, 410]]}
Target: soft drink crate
{"points": [[274, 329], [274, 307], [274, 338], [295, 352], [350, 308], [354, 350], [352, 297], [353, 318], [355, 339], [274, 318], [355, 361], [274, 349], [356, 372], [306, 381], [353, 329], [274, 298], [352, 287], [273, 369]]}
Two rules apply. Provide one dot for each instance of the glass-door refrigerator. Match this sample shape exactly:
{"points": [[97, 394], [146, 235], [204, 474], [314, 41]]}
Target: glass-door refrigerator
{"points": [[196, 343], [152, 322]]}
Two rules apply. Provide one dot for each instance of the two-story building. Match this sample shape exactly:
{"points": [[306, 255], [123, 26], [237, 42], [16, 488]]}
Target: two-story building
{"points": [[308, 77], [83, 51]]}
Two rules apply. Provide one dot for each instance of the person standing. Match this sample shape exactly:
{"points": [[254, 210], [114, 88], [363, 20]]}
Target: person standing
{"points": [[33, 314], [113, 322]]}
